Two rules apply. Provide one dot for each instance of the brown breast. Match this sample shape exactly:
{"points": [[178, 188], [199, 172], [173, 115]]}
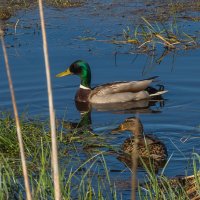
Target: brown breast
{"points": [[82, 95]]}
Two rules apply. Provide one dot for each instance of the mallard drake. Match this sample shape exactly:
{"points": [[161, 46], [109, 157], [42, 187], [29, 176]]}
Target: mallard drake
{"points": [[115, 92], [148, 146]]}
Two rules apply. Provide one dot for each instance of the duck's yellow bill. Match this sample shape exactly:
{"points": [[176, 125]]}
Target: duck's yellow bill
{"points": [[65, 73], [118, 129]]}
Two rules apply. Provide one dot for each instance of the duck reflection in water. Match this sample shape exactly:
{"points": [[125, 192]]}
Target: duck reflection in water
{"points": [[85, 109], [153, 105], [143, 106], [85, 123], [151, 151], [83, 131]]}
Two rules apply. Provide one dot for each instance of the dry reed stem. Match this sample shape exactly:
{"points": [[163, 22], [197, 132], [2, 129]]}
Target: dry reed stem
{"points": [[19, 134], [164, 40], [134, 156], [54, 156]]}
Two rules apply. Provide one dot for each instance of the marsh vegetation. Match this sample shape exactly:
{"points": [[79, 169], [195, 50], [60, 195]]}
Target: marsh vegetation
{"points": [[91, 162]]}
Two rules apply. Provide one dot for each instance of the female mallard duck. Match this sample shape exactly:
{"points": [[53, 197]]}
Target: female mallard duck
{"points": [[148, 147], [187, 185], [115, 92]]}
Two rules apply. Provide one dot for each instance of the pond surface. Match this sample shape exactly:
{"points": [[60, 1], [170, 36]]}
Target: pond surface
{"points": [[176, 123]]}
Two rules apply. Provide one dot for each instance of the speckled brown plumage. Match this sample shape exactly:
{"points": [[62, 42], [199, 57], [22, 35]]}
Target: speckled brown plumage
{"points": [[189, 185], [147, 146], [150, 150]]}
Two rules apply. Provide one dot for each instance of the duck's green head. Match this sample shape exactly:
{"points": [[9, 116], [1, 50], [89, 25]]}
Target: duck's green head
{"points": [[81, 69]]}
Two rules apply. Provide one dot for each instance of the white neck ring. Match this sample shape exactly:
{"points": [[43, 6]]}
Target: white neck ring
{"points": [[83, 87]]}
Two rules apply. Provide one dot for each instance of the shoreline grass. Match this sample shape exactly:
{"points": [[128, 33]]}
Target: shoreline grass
{"points": [[80, 177], [77, 174]]}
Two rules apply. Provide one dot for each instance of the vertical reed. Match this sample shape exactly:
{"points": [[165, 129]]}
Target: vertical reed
{"points": [[19, 134], [134, 158], [54, 159]]}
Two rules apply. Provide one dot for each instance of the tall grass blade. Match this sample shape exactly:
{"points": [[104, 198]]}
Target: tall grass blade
{"points": [[149, 25], [54, 159], [19, 134]]}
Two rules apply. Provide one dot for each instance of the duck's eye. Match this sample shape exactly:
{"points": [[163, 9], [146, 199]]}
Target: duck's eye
{"points": [[76, 69]]}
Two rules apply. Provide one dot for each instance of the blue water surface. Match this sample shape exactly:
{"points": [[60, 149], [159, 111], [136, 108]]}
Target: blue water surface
{"points": [[177, 122]]}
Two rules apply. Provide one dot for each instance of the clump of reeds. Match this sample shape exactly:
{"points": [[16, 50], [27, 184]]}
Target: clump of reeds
{"points": [[156, 39], [151, 36]]}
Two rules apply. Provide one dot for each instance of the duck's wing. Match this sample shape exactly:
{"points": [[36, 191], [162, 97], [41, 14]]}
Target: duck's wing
{"points": [[121, 87], [121, 97], [121, 92]]}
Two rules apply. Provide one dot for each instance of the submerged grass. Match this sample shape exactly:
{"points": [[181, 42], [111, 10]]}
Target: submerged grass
{"points": [[10, 7]]}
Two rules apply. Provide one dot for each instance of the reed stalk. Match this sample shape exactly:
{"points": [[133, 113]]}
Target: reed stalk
{"points": [[54, 156], [134, 160], [134, 157], [19, 134]]}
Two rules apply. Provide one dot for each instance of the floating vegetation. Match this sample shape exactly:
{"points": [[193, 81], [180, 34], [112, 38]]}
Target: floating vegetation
{"points": [[64, 3], [149, 37], [22, 4], [154, 39], [10, 7], [164, 11], [5, 14]]}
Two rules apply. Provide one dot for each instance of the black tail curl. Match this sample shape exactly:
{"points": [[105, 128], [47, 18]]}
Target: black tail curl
{"points": [[152, 90]]}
